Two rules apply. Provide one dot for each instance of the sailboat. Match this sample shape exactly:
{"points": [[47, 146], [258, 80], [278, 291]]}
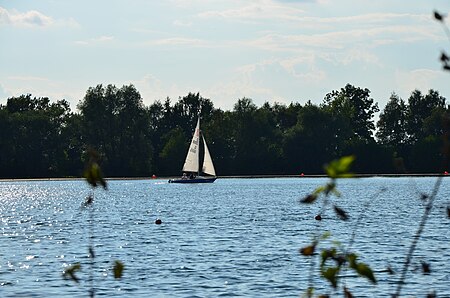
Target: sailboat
{"points": [[191, 167]]}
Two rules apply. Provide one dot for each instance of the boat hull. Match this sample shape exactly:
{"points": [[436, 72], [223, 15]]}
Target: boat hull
{"points": [[194, 180]]}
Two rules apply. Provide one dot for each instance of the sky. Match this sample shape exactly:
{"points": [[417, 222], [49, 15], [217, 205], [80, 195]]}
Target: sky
{"points": [[267, 50]]}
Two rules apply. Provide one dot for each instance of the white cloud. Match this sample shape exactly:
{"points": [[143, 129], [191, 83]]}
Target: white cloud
{"points": [[95, 40], [30, 18], [261, 10]]}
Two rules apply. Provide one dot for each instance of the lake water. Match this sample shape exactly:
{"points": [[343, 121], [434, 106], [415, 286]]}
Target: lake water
{"points": [[235, 237]]}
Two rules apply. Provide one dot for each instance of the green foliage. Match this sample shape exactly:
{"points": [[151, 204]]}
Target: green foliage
{"points": [[70, 272], [118, 269], [340, 168], [93, 173]]}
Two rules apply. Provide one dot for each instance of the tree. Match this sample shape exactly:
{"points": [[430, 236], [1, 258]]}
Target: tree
{"points": [[357, 106], [115, 122], [392, 123], [419, 109], [312, 141]]}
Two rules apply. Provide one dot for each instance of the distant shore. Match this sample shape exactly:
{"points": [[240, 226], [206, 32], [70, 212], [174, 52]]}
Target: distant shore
{"points": [[228, 177]]}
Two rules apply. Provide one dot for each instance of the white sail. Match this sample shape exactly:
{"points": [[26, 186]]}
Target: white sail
{"points": [[208, 166], [191, 163]]}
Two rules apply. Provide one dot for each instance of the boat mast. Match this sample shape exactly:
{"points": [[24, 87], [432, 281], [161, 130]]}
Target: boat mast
{"points": [[199, 141]]}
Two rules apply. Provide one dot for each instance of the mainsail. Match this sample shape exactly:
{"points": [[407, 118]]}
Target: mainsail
{"points": [[191, 163]]}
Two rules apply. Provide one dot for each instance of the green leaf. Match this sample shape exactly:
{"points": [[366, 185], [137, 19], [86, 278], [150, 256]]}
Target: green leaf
{"points": [[340, 168], [118, 269], [426, 268], [331, 274], [352, 260], [325, 235], [309, 199], [308, 250], [365, 271], [93, 175], [340, 212], [319, 190], [327, 254], [70, 272]]}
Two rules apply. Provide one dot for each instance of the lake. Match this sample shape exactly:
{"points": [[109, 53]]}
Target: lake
{"points": [[235, 237]]}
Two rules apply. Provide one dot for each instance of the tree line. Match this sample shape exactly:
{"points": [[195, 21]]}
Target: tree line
{"points": [[39, 138]]}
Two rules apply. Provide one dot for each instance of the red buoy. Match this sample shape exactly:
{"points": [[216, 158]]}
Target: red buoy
{"points": [[153, 176]]}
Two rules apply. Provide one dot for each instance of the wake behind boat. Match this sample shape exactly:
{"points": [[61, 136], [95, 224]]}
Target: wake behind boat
{"points": [[191, 167]]}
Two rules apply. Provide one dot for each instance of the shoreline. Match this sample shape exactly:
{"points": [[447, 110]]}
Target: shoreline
{"points": [[230, 177]]}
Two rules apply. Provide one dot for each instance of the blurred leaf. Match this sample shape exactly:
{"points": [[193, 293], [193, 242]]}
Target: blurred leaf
{"points": [[340, 212], [309, 199], [426, 268], [340, 168], [323, 296], [438, 16], [308, 250], [352, 260], [327, 254], [431, 294], [325, 235], [118, 269], [365, 271], [446, 67], [93, 175], [331, 275], [69, 272], [347, 293], [444, 57], [319, 190]]}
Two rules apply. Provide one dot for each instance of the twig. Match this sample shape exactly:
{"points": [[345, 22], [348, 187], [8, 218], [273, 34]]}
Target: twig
{"points": [[417, 236]]}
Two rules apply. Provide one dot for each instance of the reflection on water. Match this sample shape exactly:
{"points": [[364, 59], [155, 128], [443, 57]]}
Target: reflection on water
{"points": [[236, 237]]}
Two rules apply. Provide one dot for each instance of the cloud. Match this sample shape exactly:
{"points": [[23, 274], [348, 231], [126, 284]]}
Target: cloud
{"points": [[30, 18], [262, 10], [95, 40]]}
